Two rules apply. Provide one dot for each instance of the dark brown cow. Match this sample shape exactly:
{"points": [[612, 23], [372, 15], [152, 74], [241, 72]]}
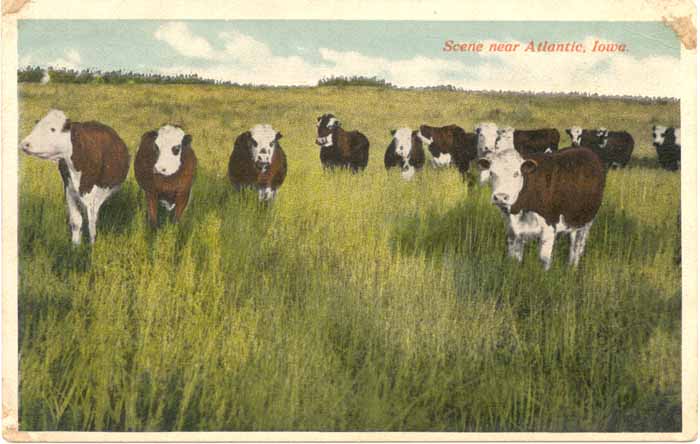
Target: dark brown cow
{"points": [[405, 151], [258, 161], [614, 148], [340, 148], [165, 167], [667, 141], [546, 194], [536, 141], [450, 145], [92, 159]]}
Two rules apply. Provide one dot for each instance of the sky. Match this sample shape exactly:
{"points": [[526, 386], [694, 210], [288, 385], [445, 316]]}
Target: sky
{"points": [[405, 53]]}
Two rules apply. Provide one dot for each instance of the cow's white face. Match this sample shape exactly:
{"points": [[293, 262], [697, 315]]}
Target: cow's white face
{"points": [[575, 132], [602, 135], [325, 125], [504, 139], [487, 132], [658, 134], [49, 139], [403, 138], [264, 143], [505, 175], [169, 144]]}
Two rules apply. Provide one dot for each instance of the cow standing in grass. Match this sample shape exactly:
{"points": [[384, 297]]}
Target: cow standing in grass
{"points": [[667, 141], [450, 145], [340, 148], [258, 161], [614, 148], [405, 151], [164, 167], [92, 159], [545, 194]]}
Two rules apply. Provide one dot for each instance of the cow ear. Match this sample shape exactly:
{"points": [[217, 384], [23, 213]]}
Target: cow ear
{"points": [[568, 131], [66, 126], [484, 163], [392, 132], [187, 140], [278, 136], [337, 124], [477, 130], [528, 166]]}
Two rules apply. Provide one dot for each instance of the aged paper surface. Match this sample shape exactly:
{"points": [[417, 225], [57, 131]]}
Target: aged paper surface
{"points": [[372, 297]]}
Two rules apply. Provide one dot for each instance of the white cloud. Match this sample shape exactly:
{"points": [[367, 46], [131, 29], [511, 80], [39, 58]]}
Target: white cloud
{"points": [[244, 59], [71, 60], [180, 38]]}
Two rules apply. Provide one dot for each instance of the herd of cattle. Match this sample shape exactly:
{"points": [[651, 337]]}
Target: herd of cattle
{"points": [[541, 190]]}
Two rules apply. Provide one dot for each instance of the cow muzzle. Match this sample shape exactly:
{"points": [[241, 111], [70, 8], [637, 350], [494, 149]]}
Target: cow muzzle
{"points": [[263, 166]]}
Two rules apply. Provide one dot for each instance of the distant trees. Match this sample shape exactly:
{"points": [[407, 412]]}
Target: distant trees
{"points": [[34, 74]]}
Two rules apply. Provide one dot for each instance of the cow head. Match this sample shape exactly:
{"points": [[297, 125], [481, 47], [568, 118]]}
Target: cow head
{"points": [[403, 144], [658, 133], [50, 138], [506, 171], [263, 142], [575, 132], [602, 136], [486, 133], [326, 126], [169, 144]]}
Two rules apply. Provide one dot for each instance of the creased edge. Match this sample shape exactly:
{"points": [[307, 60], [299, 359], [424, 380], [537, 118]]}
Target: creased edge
{"points": [[13, 6]]}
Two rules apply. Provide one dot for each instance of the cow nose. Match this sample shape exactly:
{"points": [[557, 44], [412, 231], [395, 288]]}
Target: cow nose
{"points": [[500, 198], [25, 146]]}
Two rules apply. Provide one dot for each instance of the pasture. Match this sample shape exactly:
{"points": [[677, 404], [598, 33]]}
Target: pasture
{"points": [[355, 302]]}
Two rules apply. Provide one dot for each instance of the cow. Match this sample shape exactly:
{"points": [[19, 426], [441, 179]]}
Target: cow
{"points": [[92, 159], [165, 166], [340, 148], [487, 134], [545, 194], [258, 161], [450, 145], [667, 141], [405, 151], [583, 137], [544, 140], [613, 147]]}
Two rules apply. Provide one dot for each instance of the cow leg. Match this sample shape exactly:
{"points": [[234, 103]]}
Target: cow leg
{"points": [[266, 194], [152, 201], [181, 201], [578, 244], [516, 245], [94, 202], [547, 238], [75, 218]]}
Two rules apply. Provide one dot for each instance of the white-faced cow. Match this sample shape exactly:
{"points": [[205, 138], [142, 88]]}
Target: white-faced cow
{"points": [[340, 148], [258, 161], [165, 167], [92, 159], [450, 145], [613, 147], [667, 141], [546, 194], [405, 151]]}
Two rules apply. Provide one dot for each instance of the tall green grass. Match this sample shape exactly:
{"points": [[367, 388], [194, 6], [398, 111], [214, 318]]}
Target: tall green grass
{"points": [[355, 302]]}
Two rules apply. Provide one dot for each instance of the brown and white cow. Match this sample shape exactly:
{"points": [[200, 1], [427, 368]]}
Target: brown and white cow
{"points": [[92, 159], [450, 145], [545, 194], [258, 161], [164, 166], [340, 148], [405, 151]]}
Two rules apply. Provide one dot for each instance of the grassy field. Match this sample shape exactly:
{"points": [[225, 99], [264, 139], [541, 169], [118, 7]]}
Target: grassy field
{"points": [[355, 302]]}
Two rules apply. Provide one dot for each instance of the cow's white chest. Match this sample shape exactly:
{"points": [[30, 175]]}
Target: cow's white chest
{"points": [[442, 160], [526, 224]]}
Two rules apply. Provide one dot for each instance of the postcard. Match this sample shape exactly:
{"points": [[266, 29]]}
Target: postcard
{"points": [[349, 221]]}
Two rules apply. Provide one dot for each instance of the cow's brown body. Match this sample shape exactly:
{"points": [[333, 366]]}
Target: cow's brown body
{"points": [[566, 184], [99, 155], [452, 140], [174, 189], [536, 141]]}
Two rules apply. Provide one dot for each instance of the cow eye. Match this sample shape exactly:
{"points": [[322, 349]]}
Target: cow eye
{"points": [[176, 150], [53, 130], [516, 174], [272, 143]]}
